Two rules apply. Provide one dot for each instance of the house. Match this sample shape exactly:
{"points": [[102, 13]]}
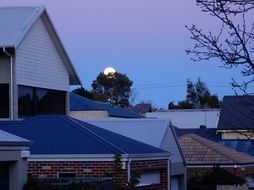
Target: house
{"points": [[236, 119], [66, 147], [14, 151], [193, 118], [35, 70], [35, 77], [142, 108], [202, 155], [156, 132], [81, 107]]}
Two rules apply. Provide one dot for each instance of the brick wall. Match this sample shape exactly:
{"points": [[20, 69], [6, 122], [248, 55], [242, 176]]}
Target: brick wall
{"points": [[191, 172], [92, 169]]}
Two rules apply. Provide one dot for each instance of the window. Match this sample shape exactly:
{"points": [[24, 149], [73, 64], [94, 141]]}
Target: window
{"points": [[4, 100], [149, 178], [25, 102], [34, 101]]}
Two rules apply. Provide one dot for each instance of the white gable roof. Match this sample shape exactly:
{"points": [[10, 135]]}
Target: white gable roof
{"points": [[16, 23], [155, 132]]}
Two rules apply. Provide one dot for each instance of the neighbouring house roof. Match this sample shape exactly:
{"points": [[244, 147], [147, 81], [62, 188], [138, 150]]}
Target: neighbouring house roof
{"points": [[242, 145], [80, 103], [156, 132], [16, 22], [10, 139], [237, 113], [208, 133], [193, 118], [61, 135], [201, 151], [142, 108]]}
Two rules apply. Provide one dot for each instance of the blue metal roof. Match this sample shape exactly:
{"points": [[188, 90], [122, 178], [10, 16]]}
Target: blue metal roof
{"points": [[80, 103], [64, 135], [237, 113]]}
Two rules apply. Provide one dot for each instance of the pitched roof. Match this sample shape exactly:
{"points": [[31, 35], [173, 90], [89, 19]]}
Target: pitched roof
{"points": [[242, 145], [208, 133], [64, 135], [156, 132], [16, 23], [10, 139], [194, 118], [200, 151], [80, 103], [237, 113]]}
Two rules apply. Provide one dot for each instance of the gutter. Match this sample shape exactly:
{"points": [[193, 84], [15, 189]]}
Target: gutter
{"points": [[11, 83]]}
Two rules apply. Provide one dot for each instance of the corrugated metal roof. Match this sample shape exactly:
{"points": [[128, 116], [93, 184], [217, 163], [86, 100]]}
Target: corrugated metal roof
{"points": [[200, 151], [156, 132], [193, 118], [7, 137], [16, 22], [142, 129], [80, 103], [64, 135], [237, 113]]}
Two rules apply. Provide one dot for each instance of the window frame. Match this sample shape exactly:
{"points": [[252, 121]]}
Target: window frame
{"points": [[43, 108]]}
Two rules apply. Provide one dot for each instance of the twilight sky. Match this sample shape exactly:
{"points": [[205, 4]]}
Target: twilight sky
{"points": [[144, 39]]}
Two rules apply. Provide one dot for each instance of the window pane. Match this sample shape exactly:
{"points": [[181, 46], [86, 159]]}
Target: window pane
{"points": [[43, 101], [57, 102], [36, 101], [25, 101], [4, 100], [148, 178]]}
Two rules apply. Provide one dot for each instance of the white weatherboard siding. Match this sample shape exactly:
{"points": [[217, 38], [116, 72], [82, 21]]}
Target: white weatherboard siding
{"points": [[38, 63]]}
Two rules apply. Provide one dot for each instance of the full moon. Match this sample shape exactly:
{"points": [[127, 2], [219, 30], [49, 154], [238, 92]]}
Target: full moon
{"points": [[109, 70]]}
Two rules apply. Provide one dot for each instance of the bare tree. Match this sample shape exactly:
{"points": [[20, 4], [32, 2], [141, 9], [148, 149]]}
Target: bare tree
{"points": [[233, 44]]}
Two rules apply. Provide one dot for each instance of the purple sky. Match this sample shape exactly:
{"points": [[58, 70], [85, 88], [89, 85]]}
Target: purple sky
{"points": [[144, 39]]}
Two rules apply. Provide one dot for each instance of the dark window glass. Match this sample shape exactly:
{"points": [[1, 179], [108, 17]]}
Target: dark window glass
{"points": [[4, 100], [35, 101], [57, 102], [43, 101], [26, 101]]}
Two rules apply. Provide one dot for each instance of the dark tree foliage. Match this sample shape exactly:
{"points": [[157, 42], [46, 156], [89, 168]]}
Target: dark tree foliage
{"points": [[83, 92], [233, 44], [198, 96], [115, 88], [209, 181]]}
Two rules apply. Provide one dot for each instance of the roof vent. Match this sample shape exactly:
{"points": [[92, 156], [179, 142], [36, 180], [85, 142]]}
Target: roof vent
{"points": [[202, 126]]}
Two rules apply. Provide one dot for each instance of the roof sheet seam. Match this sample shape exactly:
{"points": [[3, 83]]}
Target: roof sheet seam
{"points": [[96, 135]]}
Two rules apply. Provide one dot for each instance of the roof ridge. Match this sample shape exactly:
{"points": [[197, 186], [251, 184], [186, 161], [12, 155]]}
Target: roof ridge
{"points": [[93, 133], [215, 147]]}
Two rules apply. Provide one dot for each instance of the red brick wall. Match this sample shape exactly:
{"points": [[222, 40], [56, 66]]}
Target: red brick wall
{"points": [[50, 169], [202, 171]]}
